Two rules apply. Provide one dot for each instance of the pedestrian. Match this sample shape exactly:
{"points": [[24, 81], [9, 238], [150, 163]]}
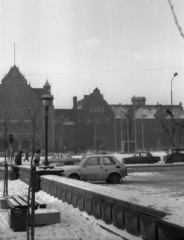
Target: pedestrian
{"points": [[18, 158], [12, 154], [26, 156], [37, 158]]}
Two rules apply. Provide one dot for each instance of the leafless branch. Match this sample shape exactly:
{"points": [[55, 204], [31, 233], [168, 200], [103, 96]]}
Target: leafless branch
{"points": [[175, 18]]}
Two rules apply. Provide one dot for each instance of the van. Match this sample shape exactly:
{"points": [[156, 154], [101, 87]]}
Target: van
{"points": [[174, 155]]}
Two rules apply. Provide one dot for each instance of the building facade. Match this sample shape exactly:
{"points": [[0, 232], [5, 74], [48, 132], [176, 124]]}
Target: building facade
{"points": [[91, 123], [22, 112]]}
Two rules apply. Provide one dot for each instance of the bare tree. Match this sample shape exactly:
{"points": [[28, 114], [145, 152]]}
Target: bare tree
{"points": [[4, 128], [29, 131], [35, 126], [175, 18]]}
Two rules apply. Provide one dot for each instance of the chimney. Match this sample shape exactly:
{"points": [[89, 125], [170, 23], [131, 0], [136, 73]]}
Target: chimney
{"points": [[75, 103]]}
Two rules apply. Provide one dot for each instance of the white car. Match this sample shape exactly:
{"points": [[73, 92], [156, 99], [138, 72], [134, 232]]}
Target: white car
{"points": [[96, 168]]}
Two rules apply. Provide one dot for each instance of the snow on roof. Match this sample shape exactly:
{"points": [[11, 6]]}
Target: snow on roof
{"points": [[146, 113], [120, 111]]}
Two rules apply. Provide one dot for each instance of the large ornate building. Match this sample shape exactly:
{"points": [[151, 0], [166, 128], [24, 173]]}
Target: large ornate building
{"points": [[91, 123], [22, 113]]}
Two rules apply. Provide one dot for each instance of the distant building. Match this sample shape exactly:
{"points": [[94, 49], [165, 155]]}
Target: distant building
{"points": [[20, 105], [96, 124], [91, 123], [148, 126]]}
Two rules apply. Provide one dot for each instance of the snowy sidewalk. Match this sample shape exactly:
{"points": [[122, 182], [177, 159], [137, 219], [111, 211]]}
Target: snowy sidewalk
{"points": [[74, 225]]}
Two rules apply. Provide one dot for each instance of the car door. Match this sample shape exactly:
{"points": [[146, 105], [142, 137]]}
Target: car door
{"points": [[109, 166], [145, 158], [93, 169], [182, 155], [54, 158], [137, 158], [176, 155]]}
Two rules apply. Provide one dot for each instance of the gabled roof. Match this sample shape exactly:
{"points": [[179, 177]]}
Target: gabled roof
{"points": [[39, 91], [95, 94], [14, 76]]}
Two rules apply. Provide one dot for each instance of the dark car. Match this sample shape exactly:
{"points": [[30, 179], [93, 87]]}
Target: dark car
{"points": [[174, 155], [141, 157]]}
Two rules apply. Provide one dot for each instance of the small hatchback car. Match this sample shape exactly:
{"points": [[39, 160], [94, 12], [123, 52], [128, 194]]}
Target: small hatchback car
{"points": [[97, 168], [174, 155]]}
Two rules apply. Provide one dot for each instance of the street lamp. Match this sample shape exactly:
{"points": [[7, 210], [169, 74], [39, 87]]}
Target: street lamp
{"points": [[128, 132], [135, 131], [115, 142], [172, 140], [120, 127], [143, 132], [46, 100]]}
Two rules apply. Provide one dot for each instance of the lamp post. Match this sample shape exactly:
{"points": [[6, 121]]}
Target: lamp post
{"points": [[172, 140], [115, 133], [120, 128], [143, 131], [128, 132], [46, 100], [135, 131]]}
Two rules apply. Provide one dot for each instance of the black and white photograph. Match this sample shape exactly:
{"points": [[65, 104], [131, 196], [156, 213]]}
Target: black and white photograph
{"points": [[91, 119]]}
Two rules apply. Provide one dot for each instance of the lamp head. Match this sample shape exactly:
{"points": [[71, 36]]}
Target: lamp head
{"points": [[46, 99], [175, 74]]}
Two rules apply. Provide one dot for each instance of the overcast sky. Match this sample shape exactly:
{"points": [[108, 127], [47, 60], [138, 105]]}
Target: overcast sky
{"points": [[122, 47]]}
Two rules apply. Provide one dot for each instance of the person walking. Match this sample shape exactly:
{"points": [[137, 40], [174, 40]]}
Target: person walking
{"points": [[12, 154], [26, 156], [37, 158], [18, 158]]}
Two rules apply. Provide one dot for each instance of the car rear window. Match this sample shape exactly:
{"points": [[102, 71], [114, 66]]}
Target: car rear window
{"points": [[108, 161]]}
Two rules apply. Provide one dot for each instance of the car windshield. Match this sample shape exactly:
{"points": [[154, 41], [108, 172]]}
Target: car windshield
{"points": [[83, 160]]}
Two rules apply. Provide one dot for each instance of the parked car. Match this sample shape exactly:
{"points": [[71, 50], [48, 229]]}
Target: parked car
{"points": [[174, 155], [95, 168], [141, 157], [62, 159]]}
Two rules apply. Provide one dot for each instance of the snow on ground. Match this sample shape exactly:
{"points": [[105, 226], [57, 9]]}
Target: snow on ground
{"points": [[74, 225], [174, 207], [79, 225]]}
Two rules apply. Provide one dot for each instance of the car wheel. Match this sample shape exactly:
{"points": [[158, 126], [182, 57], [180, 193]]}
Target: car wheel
{"points": [[151, 162], [114, 178], [69, 163], [169, 161], [74, 176]]}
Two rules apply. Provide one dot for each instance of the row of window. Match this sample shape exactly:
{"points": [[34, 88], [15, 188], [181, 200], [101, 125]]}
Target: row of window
{"points": [[14, 90], [96, 109], [94, 161], [97, 121], [14, 115]]}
